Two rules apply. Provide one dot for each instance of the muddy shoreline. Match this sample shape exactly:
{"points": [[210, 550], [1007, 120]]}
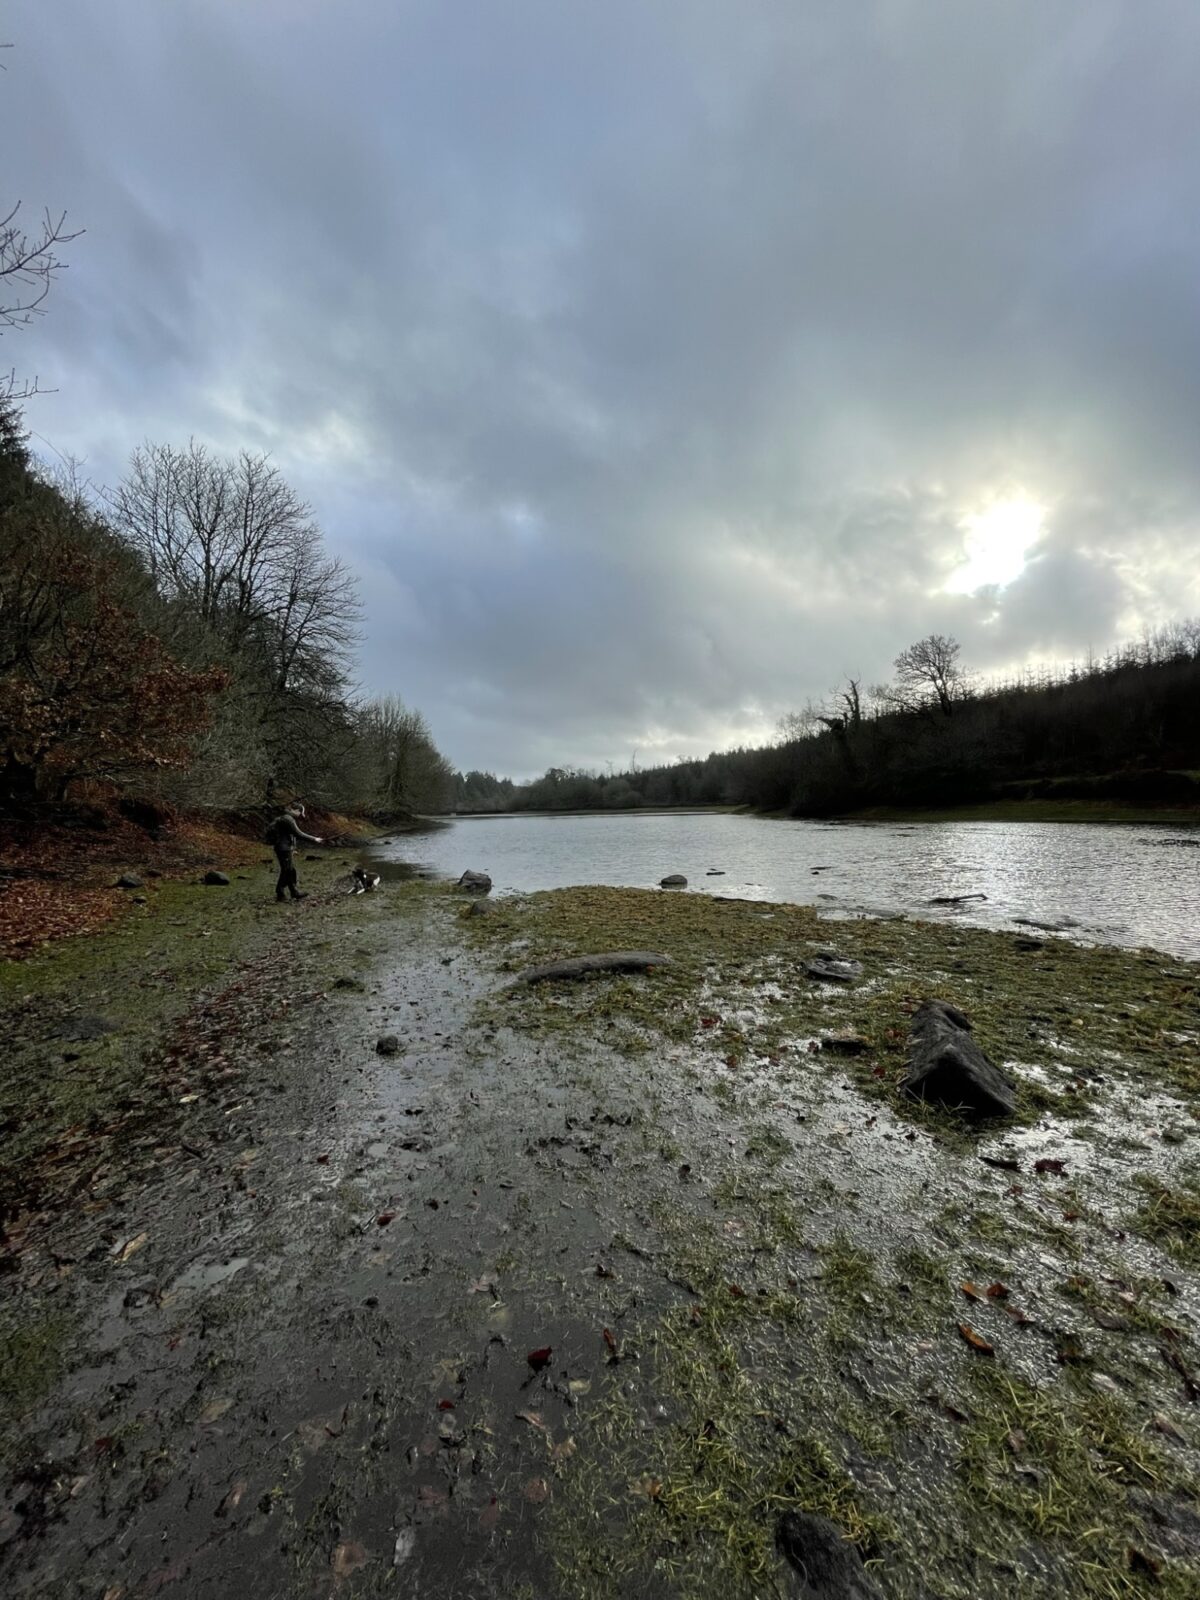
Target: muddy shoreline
{"points": [[272, 1335]]}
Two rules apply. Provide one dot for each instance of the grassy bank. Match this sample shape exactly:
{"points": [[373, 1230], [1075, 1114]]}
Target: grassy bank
{"points": [[984, 1373], [83, 1013]]}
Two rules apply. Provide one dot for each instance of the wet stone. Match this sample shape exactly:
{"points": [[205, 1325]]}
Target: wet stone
{"points": [[846, 1043], [948, 1067], [829, 1567], [475, 882], [83, 1027], [833, 969]]}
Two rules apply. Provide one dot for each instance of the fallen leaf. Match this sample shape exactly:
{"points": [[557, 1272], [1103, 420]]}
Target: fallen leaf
{"points": [[384, 1217], [445, 1405], [490, 1515], [1015, 1440], [1164, 1425], [230, 1502], [1047, 1164], [564, 1450], [1018, 1316], [483, 1286], [347, 1558], [533, 1418], [215, 1409], [1006, 1163], [969, 1289], [406, 1543], [1145, 1566], [709, 1022], [997, 1291], [976, 1340], [538, 1359], [736, 1290], [122, 1252], [647, 1485], [611, 1342], [1070, 1352], [537, 1491]]}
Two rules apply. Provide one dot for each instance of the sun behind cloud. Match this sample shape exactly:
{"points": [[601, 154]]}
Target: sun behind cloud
{"points": [[996, 544]]}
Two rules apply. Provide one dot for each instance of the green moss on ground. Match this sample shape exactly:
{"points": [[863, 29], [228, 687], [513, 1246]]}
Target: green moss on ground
{"points": [[33, 1355], [1064, 1009], [142, 974], [1170, 1215]]}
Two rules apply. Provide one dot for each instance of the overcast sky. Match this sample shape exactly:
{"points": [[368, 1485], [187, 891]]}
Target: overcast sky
{"points": [[654, 364]]}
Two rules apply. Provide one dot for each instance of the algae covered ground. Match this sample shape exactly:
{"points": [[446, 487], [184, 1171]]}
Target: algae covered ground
{"points": [[344, 1264]]}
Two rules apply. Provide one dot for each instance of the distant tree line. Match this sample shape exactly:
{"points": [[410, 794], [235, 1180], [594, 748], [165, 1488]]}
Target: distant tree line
{"points": [[186, 635], [1123, 727]]}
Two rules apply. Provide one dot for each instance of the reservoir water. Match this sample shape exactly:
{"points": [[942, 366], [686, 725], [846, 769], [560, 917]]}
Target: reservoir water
{"points": [[1104, 883]]}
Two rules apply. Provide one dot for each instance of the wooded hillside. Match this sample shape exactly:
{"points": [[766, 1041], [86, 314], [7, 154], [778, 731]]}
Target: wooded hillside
{"points": [[187, 637], [1124, 728]]}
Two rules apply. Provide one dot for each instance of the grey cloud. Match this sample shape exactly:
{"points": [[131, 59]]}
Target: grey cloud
{"points": [[646, 359]]}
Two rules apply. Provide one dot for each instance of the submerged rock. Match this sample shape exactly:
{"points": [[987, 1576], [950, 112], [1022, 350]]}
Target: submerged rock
{"points": [[830, 1567], [475, 882], [947, 1066]]}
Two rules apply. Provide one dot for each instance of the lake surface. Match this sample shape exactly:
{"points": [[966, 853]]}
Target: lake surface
{"points": [[1113, 884]]}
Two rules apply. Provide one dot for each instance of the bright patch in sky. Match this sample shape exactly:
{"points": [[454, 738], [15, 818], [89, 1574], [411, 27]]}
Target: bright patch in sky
{"points": [[996, 544]]}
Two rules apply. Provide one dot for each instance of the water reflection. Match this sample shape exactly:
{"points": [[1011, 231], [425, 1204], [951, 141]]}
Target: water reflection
{"points": [[1106, 883]]}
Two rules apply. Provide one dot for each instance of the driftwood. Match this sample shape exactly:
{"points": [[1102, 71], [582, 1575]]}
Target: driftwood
{"points": [[947, 1066], [955, 899], [582, 966]]}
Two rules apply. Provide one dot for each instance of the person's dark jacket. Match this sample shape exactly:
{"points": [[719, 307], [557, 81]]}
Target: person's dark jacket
{"points": [[285, 834]]}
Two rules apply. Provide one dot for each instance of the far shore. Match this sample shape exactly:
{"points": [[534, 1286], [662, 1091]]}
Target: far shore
{"points": [[1102, 811]]}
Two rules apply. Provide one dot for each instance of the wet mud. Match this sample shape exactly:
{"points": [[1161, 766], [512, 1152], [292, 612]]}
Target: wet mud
{"points": [[579, 1290]]}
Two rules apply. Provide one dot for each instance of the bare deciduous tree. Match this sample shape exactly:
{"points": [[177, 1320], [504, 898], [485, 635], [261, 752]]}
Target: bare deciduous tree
{"points": [[233, 548], [929, 672], [29, 263]]}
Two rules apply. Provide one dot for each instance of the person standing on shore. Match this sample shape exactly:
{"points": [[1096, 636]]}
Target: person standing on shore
{"points": [[283, 836]]}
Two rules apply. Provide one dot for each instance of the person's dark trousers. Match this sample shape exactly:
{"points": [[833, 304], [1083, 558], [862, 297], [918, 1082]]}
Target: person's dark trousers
{"points": [[287, 875]]}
